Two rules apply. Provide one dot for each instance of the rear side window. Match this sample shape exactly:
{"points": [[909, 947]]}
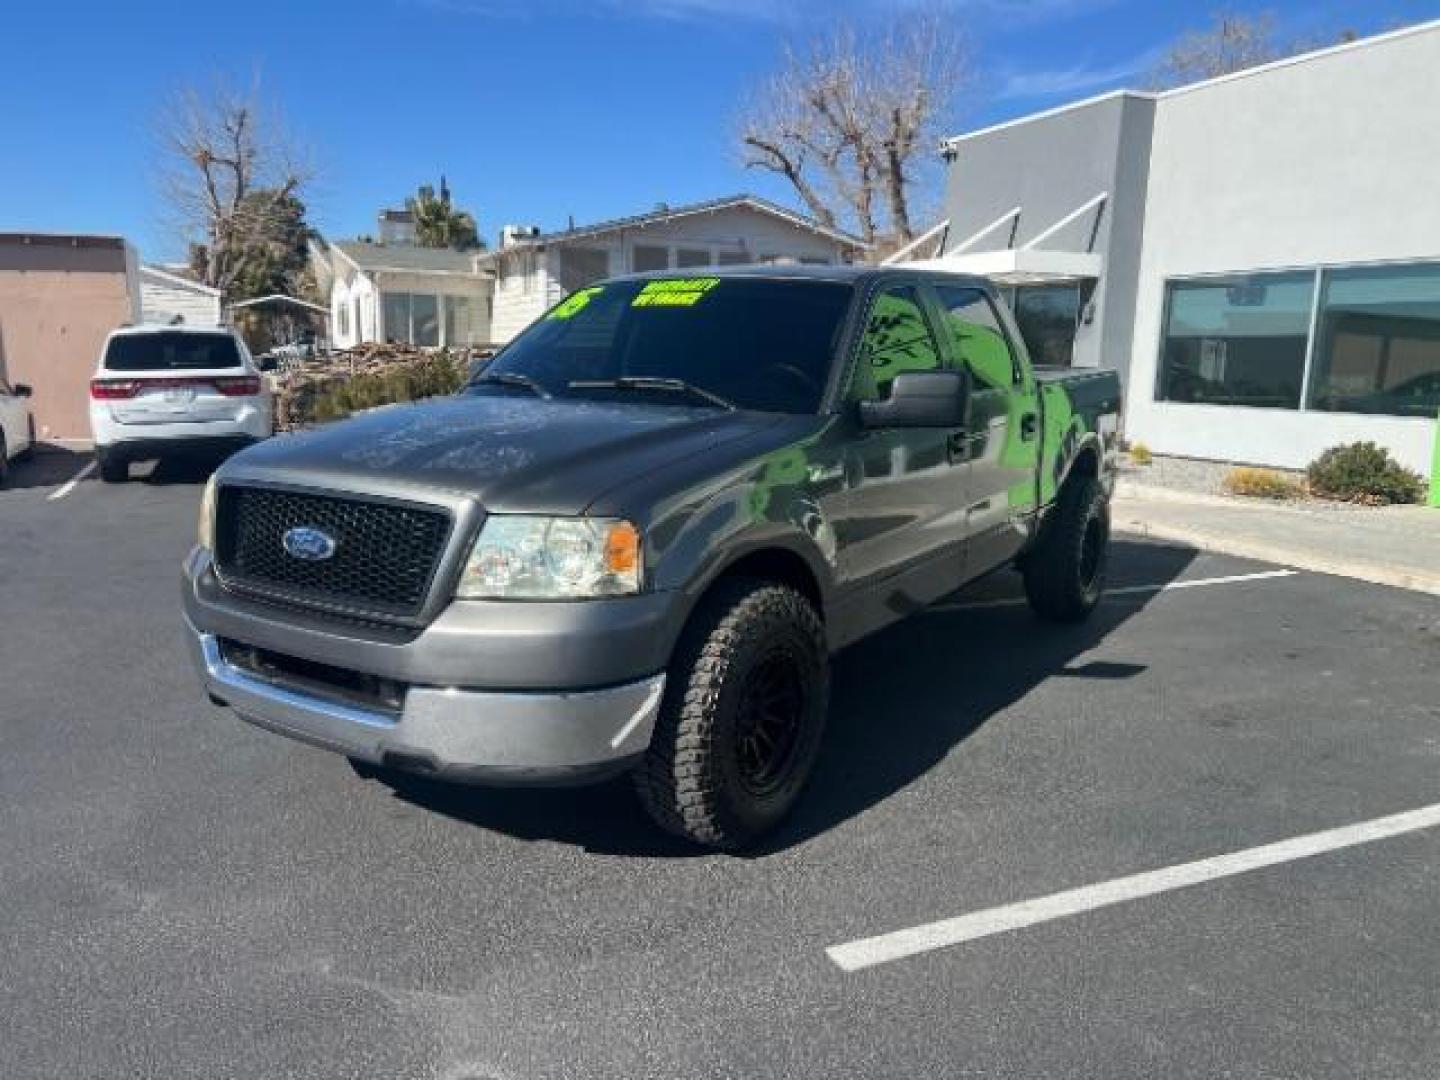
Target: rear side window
{"points": [[171, 352], [976, 337]]}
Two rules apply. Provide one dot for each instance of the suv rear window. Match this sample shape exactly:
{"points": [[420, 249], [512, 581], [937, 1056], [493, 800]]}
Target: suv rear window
{"points": [[171, 352]]}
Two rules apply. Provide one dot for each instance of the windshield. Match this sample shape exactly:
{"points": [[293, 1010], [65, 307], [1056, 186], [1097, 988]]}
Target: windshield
{"points": [[758, 344], [171, 351]]}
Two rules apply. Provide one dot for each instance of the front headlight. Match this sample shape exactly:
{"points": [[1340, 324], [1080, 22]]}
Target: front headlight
{"points": [[524, 557], [205, 529]]}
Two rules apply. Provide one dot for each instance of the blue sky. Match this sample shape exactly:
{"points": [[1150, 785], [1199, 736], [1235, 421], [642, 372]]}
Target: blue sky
{"points": [[536, 110]]}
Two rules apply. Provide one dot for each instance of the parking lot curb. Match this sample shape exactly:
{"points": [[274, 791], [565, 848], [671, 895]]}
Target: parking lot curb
{"points": [[1132, 520]]}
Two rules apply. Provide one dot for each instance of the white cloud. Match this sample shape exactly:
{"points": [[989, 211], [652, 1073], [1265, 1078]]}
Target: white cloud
{"points": [[1077, 78]]}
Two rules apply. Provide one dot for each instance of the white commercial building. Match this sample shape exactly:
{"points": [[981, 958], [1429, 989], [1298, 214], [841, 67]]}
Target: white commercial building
{"points": [[1259, 254]]}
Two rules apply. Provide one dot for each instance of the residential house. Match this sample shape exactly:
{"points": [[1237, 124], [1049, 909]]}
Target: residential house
{"points": [[169, 296], [400, 292], [534, 270]]}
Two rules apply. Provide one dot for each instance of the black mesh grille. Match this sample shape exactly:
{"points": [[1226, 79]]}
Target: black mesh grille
{"points": [[385, 554]]}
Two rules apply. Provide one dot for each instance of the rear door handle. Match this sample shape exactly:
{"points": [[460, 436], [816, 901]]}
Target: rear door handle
{"points": [[1029, 426]]}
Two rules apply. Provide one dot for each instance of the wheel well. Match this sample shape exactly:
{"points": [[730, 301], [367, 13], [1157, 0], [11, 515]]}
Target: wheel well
{"points": [[1087, 465], [780, 565]]}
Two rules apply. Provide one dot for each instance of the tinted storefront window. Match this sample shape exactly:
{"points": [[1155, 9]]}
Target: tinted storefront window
{"points": [[1047, 316], [1378, 349], [1237, 340]]}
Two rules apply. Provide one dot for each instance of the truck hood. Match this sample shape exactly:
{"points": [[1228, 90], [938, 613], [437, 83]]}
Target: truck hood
{"points": [[515, 455]]}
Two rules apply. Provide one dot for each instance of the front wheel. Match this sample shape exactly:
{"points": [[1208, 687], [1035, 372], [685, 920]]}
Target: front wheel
{"points": [[744, 710], [1065, 572]]}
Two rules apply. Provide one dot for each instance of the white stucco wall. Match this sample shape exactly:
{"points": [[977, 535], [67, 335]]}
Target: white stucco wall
{"points": [[1331, 159]]}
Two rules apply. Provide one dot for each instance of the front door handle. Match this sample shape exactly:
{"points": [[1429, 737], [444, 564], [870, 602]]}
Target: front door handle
{"points": [[957, 445], [1029, 426]]}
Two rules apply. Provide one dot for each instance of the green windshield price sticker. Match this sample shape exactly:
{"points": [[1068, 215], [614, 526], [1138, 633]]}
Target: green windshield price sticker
{"points": [[574, 303], [676, 292]]}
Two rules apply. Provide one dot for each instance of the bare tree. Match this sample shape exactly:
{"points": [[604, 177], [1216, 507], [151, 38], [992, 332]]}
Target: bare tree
{"points": [[232, 180], [847, 117], [1233, 42]]}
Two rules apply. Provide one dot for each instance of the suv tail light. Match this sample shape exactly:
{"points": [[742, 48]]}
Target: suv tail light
{"points": [[111, 389], [238, 385]]}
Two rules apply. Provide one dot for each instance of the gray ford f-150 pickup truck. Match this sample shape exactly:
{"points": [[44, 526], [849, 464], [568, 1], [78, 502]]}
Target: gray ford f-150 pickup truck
{"points": [[635, 539]]}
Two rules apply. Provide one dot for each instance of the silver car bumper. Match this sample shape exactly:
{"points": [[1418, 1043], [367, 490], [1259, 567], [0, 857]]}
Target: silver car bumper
{"points": [[463, 734]]}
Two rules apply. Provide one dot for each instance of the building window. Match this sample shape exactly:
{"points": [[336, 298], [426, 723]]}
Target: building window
{"points": [[342, 318], [1378, 344], [689, 258], [581, 266], [460, 328], [733, 258], [645, 257], [1048, 316], [1237, 340], [411, 318], [424, 319]]}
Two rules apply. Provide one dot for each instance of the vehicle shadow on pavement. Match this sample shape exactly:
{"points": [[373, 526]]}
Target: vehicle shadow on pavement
{"points": [[49, 467], [901, 701]]}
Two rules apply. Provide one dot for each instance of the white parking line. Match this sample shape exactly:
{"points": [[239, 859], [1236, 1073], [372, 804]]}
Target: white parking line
{"points": [[1128, 590], [868, 952], [69, 485]]}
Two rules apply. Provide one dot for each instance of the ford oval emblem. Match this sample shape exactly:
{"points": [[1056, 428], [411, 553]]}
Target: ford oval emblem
{"points": [[312, 545]]}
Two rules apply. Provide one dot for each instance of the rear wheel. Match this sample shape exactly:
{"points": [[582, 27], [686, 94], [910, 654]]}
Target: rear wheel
{"points": [[4, 461], [744, 710], [1065, 573], [113, 470]]}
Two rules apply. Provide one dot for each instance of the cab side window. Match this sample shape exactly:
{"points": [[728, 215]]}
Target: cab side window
{"points": [[976, 338], [897, 339]]}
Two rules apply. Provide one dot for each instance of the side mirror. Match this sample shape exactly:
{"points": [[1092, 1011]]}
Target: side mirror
{"points": [[23, 389], [266, 362], [920, 399]]}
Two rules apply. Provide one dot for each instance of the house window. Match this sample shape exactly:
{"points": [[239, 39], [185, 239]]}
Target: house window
{"points": [[342, 318], [688, 258], [1237, 340], [411, 318], [1378, 344], [645, 257], [460, 323], [424, 319], [733, 258], [581, 266]]}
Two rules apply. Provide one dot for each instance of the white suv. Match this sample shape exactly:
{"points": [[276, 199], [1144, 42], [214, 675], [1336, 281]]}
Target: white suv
{"points": [[163, 391]]}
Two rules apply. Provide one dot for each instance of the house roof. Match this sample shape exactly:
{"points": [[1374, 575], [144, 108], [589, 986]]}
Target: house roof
{"points": [[670, 213], [406, 257], [178, 281]]}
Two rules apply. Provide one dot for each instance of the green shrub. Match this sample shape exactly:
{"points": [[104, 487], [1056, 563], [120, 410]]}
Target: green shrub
{"points": [[1363, 472], [1140, 454], [1262, 484]]}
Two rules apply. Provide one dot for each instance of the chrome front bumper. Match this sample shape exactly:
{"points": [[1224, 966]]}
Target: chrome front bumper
{"points": [[470, 735]]}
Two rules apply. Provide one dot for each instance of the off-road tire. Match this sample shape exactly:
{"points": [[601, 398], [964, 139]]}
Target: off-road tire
{"points": [[113, 470], [691, 780], [1065, 572]]}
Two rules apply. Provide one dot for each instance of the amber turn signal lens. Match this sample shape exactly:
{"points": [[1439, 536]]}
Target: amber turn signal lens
{"points": [[622, 548]]}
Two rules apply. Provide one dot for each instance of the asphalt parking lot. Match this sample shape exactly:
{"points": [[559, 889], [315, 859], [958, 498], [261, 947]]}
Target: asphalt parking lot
{"points": [[185, 896]]}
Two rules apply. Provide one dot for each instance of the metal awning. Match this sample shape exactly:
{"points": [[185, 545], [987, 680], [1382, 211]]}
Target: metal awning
{"points": [[1020, 266]]}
